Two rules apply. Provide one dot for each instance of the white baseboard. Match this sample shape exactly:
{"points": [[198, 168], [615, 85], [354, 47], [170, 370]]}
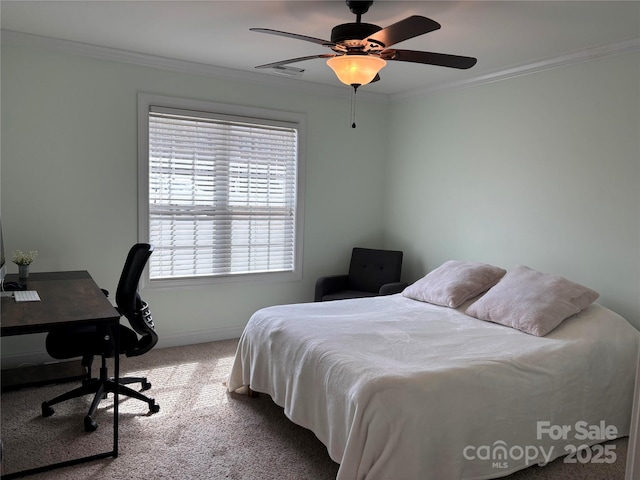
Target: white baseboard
{"points": [[199, 336], [40, 357]]}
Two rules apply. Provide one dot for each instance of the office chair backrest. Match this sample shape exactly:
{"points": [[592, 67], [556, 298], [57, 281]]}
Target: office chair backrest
{"points": [[129, 302]]}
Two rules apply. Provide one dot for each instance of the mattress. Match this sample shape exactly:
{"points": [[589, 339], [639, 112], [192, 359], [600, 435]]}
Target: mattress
{"points": [[401, 389]]}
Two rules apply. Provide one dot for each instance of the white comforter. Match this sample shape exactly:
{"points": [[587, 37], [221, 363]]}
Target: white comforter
{"points": [[400, 389]]}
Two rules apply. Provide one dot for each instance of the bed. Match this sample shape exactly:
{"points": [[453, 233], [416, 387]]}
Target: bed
{"points": [[403, 389]]}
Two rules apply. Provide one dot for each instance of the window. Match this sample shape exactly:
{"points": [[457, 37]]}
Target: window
{"points": [[219, 191]]}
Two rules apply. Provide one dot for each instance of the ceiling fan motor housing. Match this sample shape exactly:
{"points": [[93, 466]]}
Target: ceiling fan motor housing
{"points": [[357, 32]]}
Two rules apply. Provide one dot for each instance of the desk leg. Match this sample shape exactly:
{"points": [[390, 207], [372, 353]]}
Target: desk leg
{"points": [[116, 400], [116, 396]]}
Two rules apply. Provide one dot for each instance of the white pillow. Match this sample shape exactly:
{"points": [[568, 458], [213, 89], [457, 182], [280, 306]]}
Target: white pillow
{"points": [[532, 302], [454, 282]]}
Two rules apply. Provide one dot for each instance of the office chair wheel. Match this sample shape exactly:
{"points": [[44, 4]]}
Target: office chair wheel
{"points": [[47, 411], [154, 408], [146, 386], [90, 425]]}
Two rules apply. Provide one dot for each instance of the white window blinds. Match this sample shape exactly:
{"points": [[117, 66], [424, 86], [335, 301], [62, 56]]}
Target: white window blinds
{"points": [[222, 194]]}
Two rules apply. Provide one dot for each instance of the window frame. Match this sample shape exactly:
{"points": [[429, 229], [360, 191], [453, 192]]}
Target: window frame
{"points": [[291, 119]]}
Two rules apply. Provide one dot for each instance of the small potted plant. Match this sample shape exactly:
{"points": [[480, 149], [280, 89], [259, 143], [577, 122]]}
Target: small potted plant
{"points": [[23, 260]]}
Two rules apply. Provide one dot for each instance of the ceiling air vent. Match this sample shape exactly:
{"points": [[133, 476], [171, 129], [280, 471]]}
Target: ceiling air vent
{"points": [[288, 71]]}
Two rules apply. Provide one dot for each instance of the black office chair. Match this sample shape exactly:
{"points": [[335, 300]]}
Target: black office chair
{"points": [[87, 341], [371, 273]]}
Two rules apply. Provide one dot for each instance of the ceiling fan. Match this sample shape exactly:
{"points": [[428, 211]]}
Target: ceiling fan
{"points": [[361, 50]]}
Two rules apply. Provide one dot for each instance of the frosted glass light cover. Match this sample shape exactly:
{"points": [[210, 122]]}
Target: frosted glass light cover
{"points": [[356, 69]]}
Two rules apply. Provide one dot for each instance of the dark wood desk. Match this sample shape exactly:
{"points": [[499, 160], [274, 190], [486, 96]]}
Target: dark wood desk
{"points": [[67, 298]]}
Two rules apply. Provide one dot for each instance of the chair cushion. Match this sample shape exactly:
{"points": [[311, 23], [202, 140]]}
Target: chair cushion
{"points": [[345, 294], [370, 269], [71, 342]]}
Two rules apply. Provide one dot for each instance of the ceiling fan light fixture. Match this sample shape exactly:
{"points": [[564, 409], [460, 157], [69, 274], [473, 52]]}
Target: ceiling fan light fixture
{"points": [[356, 69]]}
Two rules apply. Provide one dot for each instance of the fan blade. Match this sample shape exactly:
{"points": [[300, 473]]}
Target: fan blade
{"points": [[294, 60], [430, 58], [403, 30], [320, 41]]}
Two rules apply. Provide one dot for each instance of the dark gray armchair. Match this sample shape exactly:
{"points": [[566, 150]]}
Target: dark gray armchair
{"points": [[371, 273]]}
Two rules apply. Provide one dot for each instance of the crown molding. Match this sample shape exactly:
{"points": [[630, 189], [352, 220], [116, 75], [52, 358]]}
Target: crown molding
{"points": [[291, 84], [172, 64], [628, 46]]}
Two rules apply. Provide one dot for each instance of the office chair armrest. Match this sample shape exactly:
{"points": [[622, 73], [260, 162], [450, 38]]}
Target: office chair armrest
{"points": [[391, 288], [329, 284]]}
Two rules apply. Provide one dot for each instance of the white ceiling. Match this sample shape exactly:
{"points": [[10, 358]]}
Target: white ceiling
{"points": [[501, 35]]}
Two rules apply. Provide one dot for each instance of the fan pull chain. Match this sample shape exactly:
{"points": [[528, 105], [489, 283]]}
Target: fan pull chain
{"points": [[353, 104]]}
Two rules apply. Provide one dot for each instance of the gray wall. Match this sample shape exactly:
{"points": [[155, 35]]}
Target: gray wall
{"points": [[69, 180], [541, 170]]}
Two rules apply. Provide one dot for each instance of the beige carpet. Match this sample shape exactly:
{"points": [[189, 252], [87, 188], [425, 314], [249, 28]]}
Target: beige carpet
{"points": [[201, 431]]}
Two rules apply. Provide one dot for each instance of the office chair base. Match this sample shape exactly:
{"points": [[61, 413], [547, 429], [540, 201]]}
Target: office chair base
{"points": [[90, 425], [101, 387], [47, 411]]}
